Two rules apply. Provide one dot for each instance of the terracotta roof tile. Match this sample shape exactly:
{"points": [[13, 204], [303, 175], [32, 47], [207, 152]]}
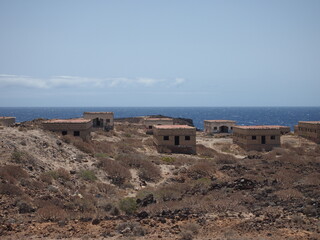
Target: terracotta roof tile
{"points": [[72, 120], [310, 122]]}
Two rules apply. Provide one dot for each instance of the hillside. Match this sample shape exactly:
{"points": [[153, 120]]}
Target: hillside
{"points": [[117, 186]]}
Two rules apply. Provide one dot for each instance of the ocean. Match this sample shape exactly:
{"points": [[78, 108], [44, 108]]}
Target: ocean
{"points": [[288, 116]]}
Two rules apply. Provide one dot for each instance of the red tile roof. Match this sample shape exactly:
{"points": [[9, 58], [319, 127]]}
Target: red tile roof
{"points": [[174, 127], [72, 120]]}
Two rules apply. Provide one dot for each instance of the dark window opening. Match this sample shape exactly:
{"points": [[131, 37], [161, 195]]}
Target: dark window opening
{"points": [[97, 122], [107, 120], [64, 133], [187, 138], [273, 137], [231, 128], [215, 128], [176, 140], [76, 133], [166, 138], [254, 137], [150, 127], [263, 139]]}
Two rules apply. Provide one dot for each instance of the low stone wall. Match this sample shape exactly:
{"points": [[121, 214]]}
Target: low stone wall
{"points": [[7, 121]]}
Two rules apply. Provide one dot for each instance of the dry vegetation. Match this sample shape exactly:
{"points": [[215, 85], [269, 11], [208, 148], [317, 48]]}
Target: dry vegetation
{"points": [[117, 186]]}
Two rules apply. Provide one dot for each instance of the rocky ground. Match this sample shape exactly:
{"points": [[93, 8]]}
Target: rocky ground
{"points": [[117, 186]]}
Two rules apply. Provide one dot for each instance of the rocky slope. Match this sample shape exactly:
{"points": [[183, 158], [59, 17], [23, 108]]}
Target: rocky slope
{"points": [[117, 186]]}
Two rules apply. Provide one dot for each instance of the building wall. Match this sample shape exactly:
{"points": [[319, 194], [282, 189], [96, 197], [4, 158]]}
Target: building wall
{"points": [[209, 127], [309, 131], [7, 121], [149, 123], [84, 129], [251, 139], [106, 118], [166, 146]]}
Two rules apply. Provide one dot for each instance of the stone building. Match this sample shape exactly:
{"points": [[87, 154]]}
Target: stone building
{"points": [[309, 130], [218, 126], [150, 122], [78, 127], [7, 121], [175, 139], [257, 137], [101, 120]]}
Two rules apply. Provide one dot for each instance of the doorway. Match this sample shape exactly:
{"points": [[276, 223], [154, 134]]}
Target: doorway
{"points": [[263, 139], [176, 140], [224, 129]]}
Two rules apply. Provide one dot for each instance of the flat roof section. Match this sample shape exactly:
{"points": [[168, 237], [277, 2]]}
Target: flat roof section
{"points": [[310, 122], [157, 119], [274, 127], [217, 121], [72, 120], [98, 112], [174, 127]]}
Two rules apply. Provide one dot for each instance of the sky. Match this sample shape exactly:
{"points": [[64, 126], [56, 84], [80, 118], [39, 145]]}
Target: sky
{"points": [[159, 53]]}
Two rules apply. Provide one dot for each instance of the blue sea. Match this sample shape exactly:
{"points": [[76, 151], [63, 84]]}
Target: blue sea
{"points": [[288, 116]]}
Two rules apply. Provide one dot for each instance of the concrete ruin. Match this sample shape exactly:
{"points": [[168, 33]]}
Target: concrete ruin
{"points": [[309, 130], [175, 139], [257, 138], [218, 126], [151, 122], [7, 121], [77, 127], [101, 120]]}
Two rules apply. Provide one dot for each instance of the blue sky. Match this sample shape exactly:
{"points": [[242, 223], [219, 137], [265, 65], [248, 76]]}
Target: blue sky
{"points": [[159, 53]]}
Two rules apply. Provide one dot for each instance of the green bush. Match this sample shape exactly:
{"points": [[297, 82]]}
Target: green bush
{"points": [[128, 205], [168, 159], [88, 175]]}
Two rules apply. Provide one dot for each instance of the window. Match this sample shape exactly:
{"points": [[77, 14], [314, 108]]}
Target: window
{"points": [[231, 128], [150, 127], [107, 120], [273, 137], [187, 138], [76, 133], [64, 133], [254, 137], [166, 138], [215, 128]]}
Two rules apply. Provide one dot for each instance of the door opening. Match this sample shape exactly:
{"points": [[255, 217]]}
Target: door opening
{"points": [[263, 139], [176, 140]]}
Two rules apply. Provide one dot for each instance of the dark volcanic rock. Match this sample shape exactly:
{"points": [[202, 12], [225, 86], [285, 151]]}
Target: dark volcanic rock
{"points": [[149, 199]]}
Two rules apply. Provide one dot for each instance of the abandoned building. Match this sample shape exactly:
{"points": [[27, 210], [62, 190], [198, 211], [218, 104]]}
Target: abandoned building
{"points": [[257, 137], [78, 127], [218, 126], [101, 120], [151, 122], [7, 121], [309, 130], [175, 139]]}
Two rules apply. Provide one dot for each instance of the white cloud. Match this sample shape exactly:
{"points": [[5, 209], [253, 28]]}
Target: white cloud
{"points": [[79, 82], [178, 81]]}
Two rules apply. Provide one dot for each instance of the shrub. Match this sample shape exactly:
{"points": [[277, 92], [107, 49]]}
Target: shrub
{"points": [[51, 213], [88, 175], [201, 170], [149, 172], [168, 159], [12, 173], [131, 228], [225, 159], [117, 173], [10, 189], [22, 157], [128, 205]]}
